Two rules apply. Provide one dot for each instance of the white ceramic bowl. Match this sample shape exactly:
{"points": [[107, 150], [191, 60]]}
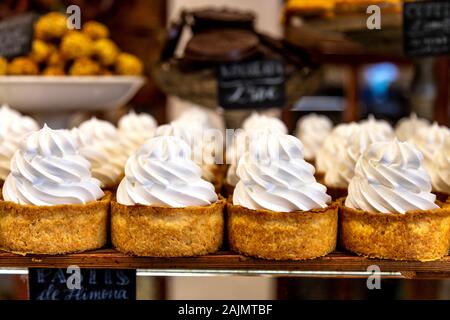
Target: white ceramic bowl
{"points": [[66, 93]]}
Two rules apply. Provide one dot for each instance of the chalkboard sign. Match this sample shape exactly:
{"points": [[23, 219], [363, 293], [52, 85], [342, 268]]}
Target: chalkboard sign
{"points": [[255, 84], [426, 28], [16, 35], [91, 284]]}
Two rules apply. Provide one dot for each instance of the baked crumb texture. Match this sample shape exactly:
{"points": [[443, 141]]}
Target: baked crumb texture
{"points": [[28, 229], [272, 235], [167, 232], [415, 235]]}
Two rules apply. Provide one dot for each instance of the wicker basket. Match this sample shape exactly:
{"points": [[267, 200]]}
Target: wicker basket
{"points": [[201, 86]]}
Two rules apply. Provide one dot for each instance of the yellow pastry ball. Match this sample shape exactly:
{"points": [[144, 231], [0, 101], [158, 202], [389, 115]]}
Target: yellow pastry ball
{"points": [[51, 26], [76, 45], [129, 65], [23, 66], [84, 67], [106, 51], [40, 51], [53, 71], [95, 30], [3, 66], [56, 59]]}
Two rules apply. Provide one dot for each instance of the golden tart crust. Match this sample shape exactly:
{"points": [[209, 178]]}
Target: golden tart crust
{"points": [[273, 235], [28, 229], [421, 235], [154, 231]]}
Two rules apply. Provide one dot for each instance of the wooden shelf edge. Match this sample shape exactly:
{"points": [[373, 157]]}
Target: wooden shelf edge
{"points": [[335, 262]]}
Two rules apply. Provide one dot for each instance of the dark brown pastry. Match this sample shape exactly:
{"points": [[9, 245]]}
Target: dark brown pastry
{"points": [[221, 18], [222, 46]]}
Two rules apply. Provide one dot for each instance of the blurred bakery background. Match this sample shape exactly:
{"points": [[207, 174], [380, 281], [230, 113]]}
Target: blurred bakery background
{"points": [[334, 67]]}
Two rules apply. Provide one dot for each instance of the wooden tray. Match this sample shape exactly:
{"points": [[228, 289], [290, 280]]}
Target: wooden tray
{"points": [[348, 36], [335, 265]]}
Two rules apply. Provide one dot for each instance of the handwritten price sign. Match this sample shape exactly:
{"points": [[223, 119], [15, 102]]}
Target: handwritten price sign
{"points": [[426, 28], [255, 84]]}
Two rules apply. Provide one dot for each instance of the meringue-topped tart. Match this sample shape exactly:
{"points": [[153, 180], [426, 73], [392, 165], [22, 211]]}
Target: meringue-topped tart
{"points": [[390, 211], [51, 203], [279, 203], [161, 173], [164, 207]]}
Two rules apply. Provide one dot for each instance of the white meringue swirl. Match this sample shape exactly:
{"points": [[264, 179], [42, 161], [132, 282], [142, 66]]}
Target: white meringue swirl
{"points": [[196, 117], [175, 129], [378, 125], [312, 130], [274, 176], [206, 139], [429, 140], [325, 157], [13, 128], [135, 129], [348, 152], [251, 127], [440, 169], [107, 169], [99, 142], [161, 173], [241, 142], [7, 111], [47, 170], [207, 118], [235, 151], [256, 121], [99, 130], [205, 148], [390, 178], [407, 128]]}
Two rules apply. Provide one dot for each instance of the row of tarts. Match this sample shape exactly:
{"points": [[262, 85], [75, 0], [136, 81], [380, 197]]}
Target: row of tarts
{"points": [[47, 167]]}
